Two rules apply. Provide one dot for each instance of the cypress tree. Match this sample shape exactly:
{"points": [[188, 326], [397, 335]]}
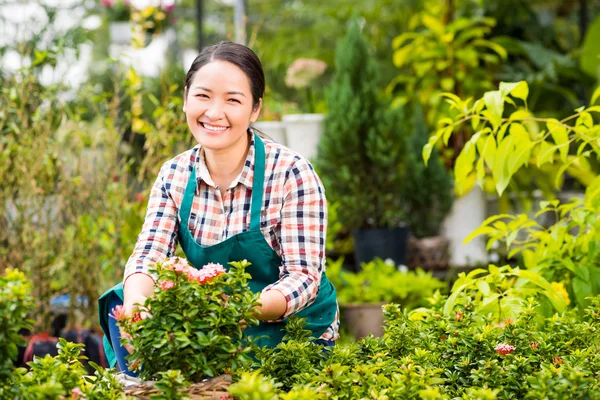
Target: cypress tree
{"points": [[427, 193], [360, 151]]}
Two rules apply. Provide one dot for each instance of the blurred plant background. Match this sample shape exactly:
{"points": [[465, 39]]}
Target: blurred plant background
{"points": [[89, 109]]}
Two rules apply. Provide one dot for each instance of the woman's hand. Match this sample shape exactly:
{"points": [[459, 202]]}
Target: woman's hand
{"points": [[136, 289]]}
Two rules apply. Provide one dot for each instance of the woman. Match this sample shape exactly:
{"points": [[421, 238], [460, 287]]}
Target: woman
{"points": [[235, 196]]}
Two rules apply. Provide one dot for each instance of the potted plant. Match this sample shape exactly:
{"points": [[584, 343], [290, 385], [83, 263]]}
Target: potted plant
{"points": [[272, 110], [303, 131], [118, 14], [427, 196], [361, 295], [360, 154]]}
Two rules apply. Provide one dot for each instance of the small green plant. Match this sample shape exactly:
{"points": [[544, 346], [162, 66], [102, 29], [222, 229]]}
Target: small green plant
{"points": [[170, 384], [380, 281], [296, 354], [196, 323]]}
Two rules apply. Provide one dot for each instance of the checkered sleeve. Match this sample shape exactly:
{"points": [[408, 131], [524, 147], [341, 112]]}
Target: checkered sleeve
{"points": [[302, 238], [158, 238]]}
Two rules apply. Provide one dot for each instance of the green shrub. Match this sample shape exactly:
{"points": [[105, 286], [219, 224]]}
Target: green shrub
{"points": [[16, 303], [426, 355], [380, 281]]}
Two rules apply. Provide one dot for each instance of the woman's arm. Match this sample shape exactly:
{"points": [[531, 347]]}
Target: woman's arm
{"points": [[302, 240], [157, 241]]}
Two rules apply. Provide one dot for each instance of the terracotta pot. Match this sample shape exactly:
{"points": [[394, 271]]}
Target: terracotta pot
{"points": [[363, 319], [430, 253]]}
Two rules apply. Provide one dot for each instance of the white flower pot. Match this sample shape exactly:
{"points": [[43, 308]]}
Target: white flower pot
{"points": [[467, 214], [303, 133], [274, 129]]}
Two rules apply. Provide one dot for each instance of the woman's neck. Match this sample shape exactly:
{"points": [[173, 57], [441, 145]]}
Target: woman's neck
{"points": [[226, 164]]}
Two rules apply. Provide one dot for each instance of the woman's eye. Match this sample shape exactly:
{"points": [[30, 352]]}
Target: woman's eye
{"points": [[202, 95], [234, 100]]}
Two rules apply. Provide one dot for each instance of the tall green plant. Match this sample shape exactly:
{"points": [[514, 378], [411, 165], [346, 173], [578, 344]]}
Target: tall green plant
{"points": [[361, 148], [566, 252], [427, 189]]}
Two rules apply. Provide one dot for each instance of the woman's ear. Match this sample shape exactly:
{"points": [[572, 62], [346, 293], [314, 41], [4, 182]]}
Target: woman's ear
{"points": [[185, 90], [256, 111]]}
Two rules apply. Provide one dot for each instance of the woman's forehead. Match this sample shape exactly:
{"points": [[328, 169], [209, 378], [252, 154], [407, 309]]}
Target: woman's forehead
{"points": [[221, 76]]}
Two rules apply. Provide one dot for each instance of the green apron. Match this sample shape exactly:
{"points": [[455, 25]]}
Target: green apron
{"points": [[249, 245]]}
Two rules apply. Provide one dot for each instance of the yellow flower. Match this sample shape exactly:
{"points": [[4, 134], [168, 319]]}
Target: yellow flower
{"points": [[559, 288]]}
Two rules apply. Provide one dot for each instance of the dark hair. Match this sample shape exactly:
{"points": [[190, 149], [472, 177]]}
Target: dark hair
{"points": [[239, 55]]}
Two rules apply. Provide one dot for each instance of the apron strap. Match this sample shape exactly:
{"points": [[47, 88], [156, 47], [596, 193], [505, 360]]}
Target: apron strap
{"points": [[188, 198], [258, 185], [258, 182]]}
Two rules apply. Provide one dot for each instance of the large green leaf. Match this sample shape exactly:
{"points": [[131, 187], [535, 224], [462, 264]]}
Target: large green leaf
{"points": [[591, 49]]}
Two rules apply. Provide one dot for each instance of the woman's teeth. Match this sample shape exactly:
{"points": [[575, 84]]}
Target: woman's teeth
{"points": [[214, 128]]}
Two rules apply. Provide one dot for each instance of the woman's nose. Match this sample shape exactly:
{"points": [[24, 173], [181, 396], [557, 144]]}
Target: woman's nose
{"points": [[215, 111]]}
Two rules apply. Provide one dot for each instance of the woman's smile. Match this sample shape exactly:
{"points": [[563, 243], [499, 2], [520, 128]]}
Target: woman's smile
{"points": [[212, 129]]}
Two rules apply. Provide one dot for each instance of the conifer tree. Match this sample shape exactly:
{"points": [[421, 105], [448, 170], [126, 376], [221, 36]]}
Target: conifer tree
{"points": [[362, 144], [427, 193]]}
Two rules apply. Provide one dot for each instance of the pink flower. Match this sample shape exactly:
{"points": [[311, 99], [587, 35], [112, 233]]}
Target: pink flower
{"points": [[177, 264], [207, 273], [303, 71], [166, 285], [210, 271], [75, 393], [108, 3], [118, 313], [169, 8], [504, 349]]}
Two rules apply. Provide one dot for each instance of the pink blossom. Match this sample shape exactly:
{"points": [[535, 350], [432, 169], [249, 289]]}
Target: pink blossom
{"points": [[177, 264], [504, 349], [75, 393], [166, 285], [210, 271], [169, 8], [303, 71], [207, 273], [108, 3], [118, 313]]}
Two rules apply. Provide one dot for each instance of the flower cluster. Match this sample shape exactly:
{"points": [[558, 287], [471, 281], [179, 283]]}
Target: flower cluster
{"points": [[504, 349], [303, 71], [190, 323], [202, 276]]}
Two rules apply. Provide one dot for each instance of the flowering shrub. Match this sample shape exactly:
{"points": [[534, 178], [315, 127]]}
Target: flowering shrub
{"points": [[427, 355], [196, 322]]}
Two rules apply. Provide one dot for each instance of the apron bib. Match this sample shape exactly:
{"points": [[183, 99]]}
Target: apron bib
{"points": [[249, 245]]}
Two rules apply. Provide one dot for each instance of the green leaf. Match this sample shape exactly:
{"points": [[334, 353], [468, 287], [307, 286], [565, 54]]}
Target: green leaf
{"points": [[545, 153], [521, 91], [494, 102], [582, 290], [595, 96], [560, 136], [500, 171]]}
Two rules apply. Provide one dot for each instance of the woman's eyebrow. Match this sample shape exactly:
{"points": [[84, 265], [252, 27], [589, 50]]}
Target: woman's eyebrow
{"points": [[210, 91]]}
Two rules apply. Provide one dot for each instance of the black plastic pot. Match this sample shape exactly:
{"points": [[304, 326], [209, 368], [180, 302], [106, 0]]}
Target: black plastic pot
{"points": [[381, 242]]}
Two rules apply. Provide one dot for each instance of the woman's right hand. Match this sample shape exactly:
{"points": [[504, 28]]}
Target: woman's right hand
{"points": [[136, 289]]}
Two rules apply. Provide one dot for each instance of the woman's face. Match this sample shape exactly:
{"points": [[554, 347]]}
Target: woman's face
{"points": [[218, 106]]}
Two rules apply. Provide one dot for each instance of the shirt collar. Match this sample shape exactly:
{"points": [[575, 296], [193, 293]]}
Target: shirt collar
{"points": [[245, 177]]}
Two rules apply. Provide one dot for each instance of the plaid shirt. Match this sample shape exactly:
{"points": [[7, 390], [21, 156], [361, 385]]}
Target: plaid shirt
{"points": [[293, 218]]}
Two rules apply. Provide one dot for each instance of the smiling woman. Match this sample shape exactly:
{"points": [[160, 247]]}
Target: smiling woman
{"points": [[232, 197]]}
